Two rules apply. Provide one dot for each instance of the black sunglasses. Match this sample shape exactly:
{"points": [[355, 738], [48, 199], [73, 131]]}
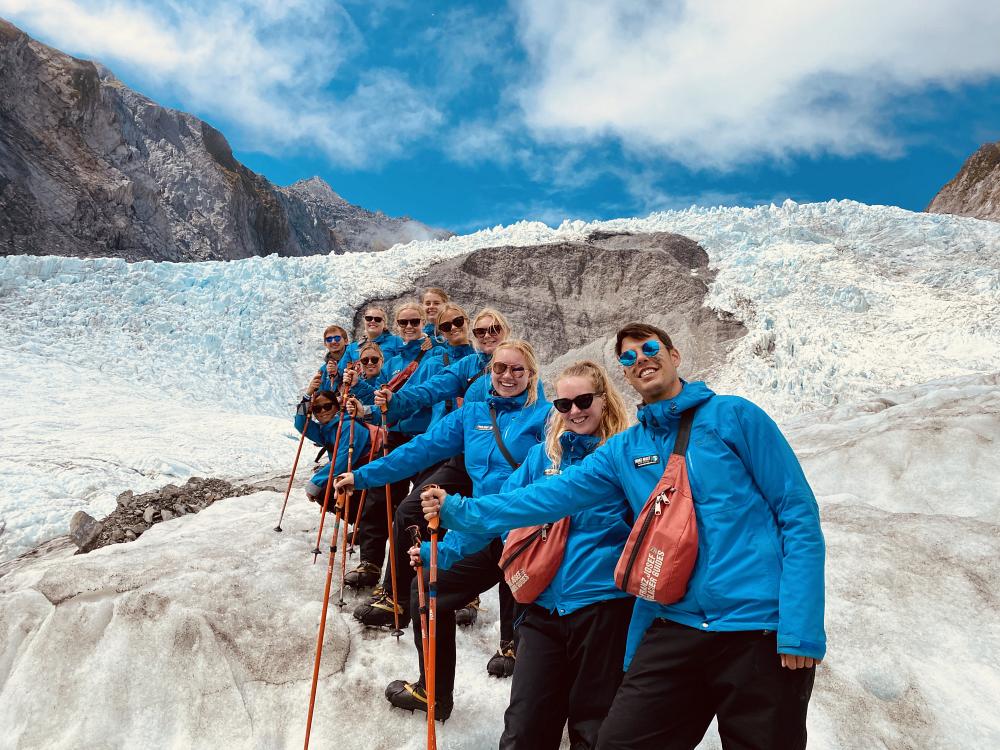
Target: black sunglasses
{"points": [[411, 322], [583, 401], [493, 330], [333, 339], [456, 323], [373, 319], [369, 360], [320, 408]]}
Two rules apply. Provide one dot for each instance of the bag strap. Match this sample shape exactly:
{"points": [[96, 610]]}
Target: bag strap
{"points": [[473, 379], [400, 378], [684, 432], [500, 445]]}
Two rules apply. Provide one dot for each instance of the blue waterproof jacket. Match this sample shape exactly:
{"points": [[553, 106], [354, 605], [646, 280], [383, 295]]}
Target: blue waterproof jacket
{"points": [[449, 355], [388, 342], [328, 384], [760, 547], [466, 430], [326, 435], [429, 365], [467, 378]]}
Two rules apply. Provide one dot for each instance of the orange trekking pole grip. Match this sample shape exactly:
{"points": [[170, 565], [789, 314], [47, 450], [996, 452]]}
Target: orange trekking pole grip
{"points": [[430, 662], [333, 468], [295, 465], [322, 622], [392, 542]]}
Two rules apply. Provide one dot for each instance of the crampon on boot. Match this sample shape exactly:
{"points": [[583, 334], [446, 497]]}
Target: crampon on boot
{"points": [[365, 575], [466, 616], [501, 664], [379, 612], [412, 697]]}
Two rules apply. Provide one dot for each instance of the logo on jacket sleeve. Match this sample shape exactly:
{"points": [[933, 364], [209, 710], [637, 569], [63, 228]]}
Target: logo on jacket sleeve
{"points": [[646, 461], [484, 427]]}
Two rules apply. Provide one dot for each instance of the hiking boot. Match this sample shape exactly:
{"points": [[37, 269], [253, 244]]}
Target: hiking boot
{"points": [[365, 575], [412, 697], [380, 611], [501, 664], [466, 616]]}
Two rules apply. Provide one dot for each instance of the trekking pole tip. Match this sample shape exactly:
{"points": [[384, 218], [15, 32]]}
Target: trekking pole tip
{"points": [[398, 633], [277, 528]]}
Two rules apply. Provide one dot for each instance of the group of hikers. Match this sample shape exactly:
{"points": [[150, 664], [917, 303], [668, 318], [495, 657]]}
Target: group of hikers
{"points": [[654, 572]]}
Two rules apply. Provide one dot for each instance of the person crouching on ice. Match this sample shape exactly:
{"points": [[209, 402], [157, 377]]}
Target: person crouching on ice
{"points": [[512, 414], [740, 640], [324, 412]]}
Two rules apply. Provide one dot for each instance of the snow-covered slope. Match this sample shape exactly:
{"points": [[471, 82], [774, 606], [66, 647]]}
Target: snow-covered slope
{"points": [[201, 633], [841, 300]]}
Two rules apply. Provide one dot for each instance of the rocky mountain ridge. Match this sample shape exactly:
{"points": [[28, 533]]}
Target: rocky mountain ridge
{"points": [[91, 168], [975, 190]]}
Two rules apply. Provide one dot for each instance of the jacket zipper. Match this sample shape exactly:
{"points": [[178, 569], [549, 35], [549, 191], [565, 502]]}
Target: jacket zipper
{"points": [[542, 532]]}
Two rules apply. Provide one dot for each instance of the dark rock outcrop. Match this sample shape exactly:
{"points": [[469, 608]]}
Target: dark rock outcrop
{"points": [[570, 298], [90, 168], [975, 190]]}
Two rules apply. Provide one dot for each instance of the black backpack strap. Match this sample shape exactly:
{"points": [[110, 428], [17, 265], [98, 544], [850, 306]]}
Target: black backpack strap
{"points": [[500, 445], [684, 432], [473, 379], [447, 402]]}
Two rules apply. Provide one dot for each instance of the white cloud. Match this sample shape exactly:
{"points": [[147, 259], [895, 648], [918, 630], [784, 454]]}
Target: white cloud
{"points": [[261, 68], [717, 83]]}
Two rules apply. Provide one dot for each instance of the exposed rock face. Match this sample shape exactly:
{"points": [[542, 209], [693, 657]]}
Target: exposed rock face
{"points": [[975, 190], [570, 298], [90, 168]]}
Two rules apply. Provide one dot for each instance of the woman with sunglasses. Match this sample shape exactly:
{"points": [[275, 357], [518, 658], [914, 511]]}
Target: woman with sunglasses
{"points": [[409, 319], [376, 329], [324, 412], [514, 415], [571, 641]]}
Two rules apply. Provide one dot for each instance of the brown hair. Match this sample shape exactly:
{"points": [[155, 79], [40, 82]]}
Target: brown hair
{"points": [[641, 331], [371, 345], [336, 328], [530, 359], [614, 418]]}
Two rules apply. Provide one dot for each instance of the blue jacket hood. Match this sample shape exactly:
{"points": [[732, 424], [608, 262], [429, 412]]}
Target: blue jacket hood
{"points": [[663, 415]]}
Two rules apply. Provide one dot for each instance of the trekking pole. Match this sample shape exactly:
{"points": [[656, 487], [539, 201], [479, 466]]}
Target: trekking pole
{"points": [[322, 621], [430, 662], [357, 522], [295, 466], [392, 543], [329, 479], [346, 511], [421, 595]]}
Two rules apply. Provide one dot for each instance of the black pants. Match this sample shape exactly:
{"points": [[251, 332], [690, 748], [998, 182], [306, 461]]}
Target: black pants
{"points": [[374, 530], [451, 476], [456, 587], [568, 669], [681, 677]]}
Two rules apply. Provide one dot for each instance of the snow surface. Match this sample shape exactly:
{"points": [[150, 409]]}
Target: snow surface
{"points": [[126, 376], [201, 634]]}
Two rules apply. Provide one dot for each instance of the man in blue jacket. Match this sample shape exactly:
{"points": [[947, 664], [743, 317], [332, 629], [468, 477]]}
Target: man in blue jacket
{"points": [[742, 643]]}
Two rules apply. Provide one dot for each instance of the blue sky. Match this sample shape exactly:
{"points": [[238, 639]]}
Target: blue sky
{"points": [[466, 115]]}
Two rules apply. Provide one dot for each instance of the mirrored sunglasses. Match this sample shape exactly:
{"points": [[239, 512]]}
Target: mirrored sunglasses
{"points": [[499, 368], [629, 357], [333, 339]]}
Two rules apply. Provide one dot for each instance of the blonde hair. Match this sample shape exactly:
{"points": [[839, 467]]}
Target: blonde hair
{"points": [[530, 360], [436, 290], [614, 418], [410, 304], [453, 307], [497, 317]]}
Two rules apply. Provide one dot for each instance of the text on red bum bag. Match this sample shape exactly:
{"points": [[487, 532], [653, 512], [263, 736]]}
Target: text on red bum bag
{"points": [[532, 556], [660, 553]]}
